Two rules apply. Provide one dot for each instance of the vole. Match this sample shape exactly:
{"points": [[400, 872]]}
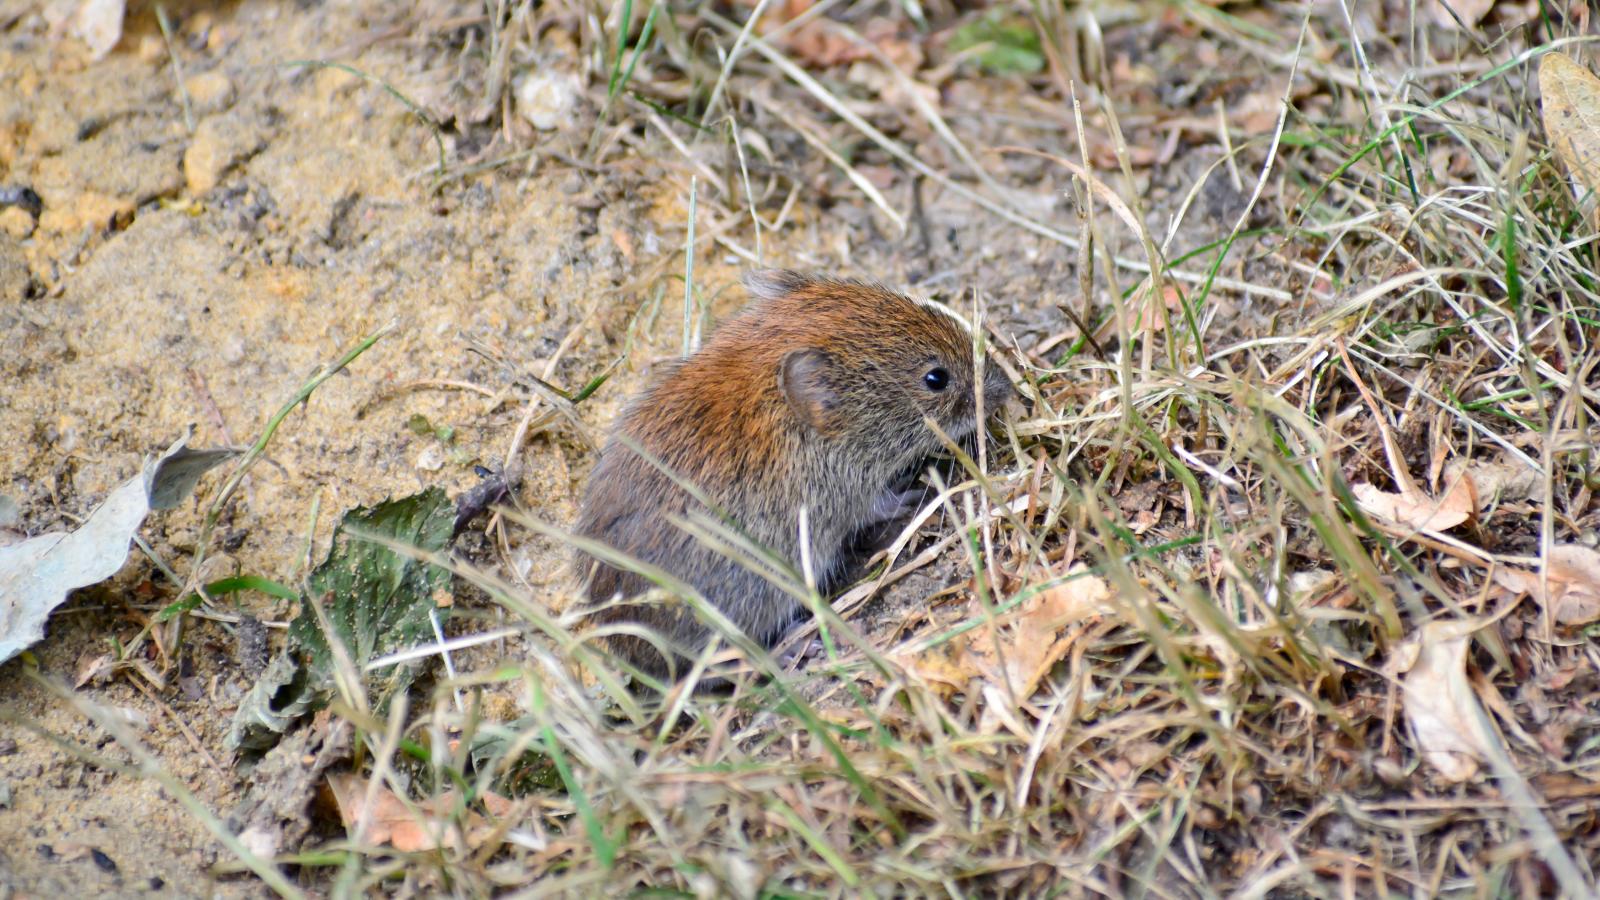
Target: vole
{"points": [[814, 396]]}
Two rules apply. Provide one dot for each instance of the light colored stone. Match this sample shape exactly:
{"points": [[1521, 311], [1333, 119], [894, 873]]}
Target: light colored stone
{"points": [[152, 49], [86, 210], [14, 274], [16, 222], [208, 156], [209, 92], [431, 459], [547, 99], [99, 24]]}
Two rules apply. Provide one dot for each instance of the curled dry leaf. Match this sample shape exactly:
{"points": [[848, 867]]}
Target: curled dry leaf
{"points": [[425, 825], [1417, 510], [93, 669], [1494, 481], [1029, 642], [1450, 727], [1035, 645], [37, 574], [1573, 576], [1459, 13], [1570, 95]]}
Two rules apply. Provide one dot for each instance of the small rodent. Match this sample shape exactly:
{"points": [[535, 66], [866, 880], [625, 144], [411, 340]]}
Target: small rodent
{"points": [[812, 396]]}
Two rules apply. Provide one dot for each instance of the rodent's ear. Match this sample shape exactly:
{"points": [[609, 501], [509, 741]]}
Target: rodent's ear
{"points": [[804, 378], [770, 284]]}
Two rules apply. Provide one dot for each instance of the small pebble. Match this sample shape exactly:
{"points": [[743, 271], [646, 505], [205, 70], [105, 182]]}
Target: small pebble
{"points": [[209, 92], [547, 99], [431, 460], [208, 156], [15, 221]]}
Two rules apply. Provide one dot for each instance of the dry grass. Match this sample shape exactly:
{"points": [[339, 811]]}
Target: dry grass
{"points": [[1206, 632]]}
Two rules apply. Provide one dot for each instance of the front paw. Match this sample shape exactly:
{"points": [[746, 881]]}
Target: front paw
{"points": [[799, 655], [893, 505]]}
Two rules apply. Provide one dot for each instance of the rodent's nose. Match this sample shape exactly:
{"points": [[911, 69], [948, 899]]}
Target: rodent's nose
{"points": [[997, 388]]}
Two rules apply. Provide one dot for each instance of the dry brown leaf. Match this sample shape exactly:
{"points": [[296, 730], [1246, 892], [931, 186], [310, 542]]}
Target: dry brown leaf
{"points": [[943, 668], [498, 806], [1570, 95], [1144, 312], [624, 243], [1573, 573], [1419, 511], [1440, 706], [1467, 13], [820, 44], [93, 669], [1029, 644], [1034, 644], [1257, 112], [1495, 481], [407, 829]]}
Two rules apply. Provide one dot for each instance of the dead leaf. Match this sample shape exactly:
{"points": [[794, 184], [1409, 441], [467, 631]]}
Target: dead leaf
{"points": [[1440, 706], [821, 44], [498, 806], [624, 243], [1417, 510], [389, 820], [1035, 645], [93, 669], [272, 813], [1494, 481], [1257, 112], [1573, 573], [943, 667], [419, 826], [1145, 313], [1570, 95], [37, 574], [1010, 665], [1467, 13]]}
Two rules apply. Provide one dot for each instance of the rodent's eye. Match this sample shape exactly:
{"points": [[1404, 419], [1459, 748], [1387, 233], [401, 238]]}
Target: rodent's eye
{"points": [[936, 379]]}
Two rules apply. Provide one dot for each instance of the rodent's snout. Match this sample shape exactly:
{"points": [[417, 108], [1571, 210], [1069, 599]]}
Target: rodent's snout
{"points": [[997, 388]]}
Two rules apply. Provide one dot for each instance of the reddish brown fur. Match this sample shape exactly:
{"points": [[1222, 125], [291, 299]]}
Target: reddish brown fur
{"points": [[832, 438]]}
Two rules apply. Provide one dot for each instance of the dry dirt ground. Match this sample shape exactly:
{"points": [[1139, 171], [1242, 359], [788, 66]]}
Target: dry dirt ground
{"points": [[153, 302]]}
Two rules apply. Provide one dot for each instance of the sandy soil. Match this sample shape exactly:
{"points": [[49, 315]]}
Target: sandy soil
{"points": [[178, 277], [210, 307]]}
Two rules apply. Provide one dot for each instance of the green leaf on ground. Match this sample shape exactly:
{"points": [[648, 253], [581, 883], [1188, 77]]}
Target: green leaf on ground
{"points": [[377, 595], [1007, 45]]}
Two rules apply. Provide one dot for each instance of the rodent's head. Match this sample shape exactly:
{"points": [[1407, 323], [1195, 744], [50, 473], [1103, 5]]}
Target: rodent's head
{"points": [[865, 364]]}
